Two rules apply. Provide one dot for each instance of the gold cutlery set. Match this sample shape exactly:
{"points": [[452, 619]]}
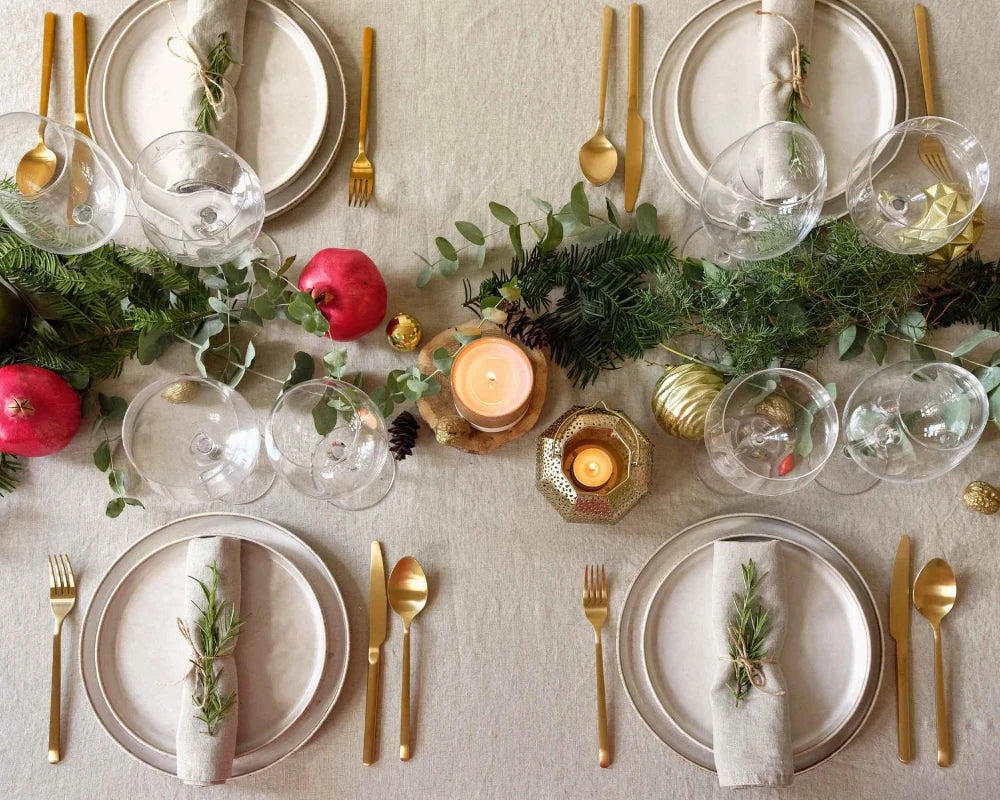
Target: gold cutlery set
{"points": [[595, 606], [598, 156], [933, 594], [406, 593]]}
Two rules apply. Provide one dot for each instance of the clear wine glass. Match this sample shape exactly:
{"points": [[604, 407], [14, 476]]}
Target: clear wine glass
{"points": [[193, 439], [328, 439], [198, 201], [768, 433], [82, 205], [914, 421], [915, 188], [762, 194]]}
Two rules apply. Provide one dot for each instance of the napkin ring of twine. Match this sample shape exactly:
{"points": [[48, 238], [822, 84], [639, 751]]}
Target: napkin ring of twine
{"points": [[215, 90], [199, 663], [752, 666], [798, 79]]}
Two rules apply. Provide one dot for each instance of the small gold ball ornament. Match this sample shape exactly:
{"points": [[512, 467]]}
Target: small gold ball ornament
{"points": [[982, 497], [180, 392], [681, 399], [404, 332], [778, 410], [450, 428]]}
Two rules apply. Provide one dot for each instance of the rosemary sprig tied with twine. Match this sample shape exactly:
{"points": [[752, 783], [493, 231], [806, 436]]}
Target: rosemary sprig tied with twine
{"points": [[747, 631], [219, 60], [797, 100], [215, 635]]}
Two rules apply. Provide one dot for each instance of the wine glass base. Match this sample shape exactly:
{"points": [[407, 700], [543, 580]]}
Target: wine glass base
{"points": [[373, 493], [843, 476], [711, 479], [702, 246], [257, 484], [264, 247]]}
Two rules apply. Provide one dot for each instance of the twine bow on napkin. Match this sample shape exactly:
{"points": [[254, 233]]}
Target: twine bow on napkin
{"points": [[751, 666], [214, 86], [798, 79]]}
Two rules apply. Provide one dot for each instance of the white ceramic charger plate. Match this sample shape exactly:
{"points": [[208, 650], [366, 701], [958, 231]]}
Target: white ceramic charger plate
{"points": [[269, 535], [141, 655], [833, 651], [107, 69], [704, 94]]}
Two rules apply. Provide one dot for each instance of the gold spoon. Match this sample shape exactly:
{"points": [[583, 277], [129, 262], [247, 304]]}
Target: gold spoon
{"points": [[934, 595], [598, 157], [38, 165], [407, 596]]}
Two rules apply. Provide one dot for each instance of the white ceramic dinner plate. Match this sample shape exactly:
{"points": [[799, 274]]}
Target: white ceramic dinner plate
{"points": [[141, 655], [832, 658], [285, 583], [291, 94], [704, 93]]}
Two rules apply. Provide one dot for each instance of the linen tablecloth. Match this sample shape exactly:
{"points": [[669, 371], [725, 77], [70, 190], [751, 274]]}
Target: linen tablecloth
{"points": [[479, 100]]}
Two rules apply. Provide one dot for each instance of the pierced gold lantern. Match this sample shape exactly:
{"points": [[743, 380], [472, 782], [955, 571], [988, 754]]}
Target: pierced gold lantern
{"points": [[593, 464]]}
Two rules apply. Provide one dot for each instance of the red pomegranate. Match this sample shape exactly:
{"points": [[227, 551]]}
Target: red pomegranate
{"points": [[39, 411], [349, 291]]}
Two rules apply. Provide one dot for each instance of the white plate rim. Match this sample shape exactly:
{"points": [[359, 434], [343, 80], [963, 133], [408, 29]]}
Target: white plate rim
{"points": [[818, 557], [325, 574], [834, 207], [299, 577], [283, 199], [749, 518]]}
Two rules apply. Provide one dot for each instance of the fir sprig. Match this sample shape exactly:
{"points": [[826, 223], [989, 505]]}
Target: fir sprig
{"points": [[10, 466], [219, 60], [747, 631]]}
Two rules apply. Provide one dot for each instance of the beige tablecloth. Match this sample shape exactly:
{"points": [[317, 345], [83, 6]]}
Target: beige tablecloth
{"points": [[476, 100]]}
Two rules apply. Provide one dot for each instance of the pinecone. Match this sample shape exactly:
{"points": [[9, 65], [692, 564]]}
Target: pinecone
{"points": [[519, 325], [403, 435]]}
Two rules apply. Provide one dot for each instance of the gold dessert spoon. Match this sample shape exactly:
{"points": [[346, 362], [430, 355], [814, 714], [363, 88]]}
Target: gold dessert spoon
{"points": [[407, 596], [598, 157], [38, 165]]}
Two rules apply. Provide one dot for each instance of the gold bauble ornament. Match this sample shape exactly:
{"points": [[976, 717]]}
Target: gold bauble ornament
{"points": [[404, 332], [982, 497], [962, 244], [180, 392], [778, 410], [682, 396], [450, 428]]}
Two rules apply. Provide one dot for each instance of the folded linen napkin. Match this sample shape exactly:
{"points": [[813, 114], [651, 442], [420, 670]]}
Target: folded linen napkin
{"points": [[204, 759], [752, 741]]}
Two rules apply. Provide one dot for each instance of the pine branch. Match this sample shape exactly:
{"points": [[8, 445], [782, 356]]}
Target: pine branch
{"points": [[10, 466]]}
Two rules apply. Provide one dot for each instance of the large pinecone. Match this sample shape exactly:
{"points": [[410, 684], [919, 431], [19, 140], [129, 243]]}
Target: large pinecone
{"points": [[519, 325], [403, 435]]}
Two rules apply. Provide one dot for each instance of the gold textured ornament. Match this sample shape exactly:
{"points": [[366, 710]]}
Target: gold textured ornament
{"points": [[682, 396], [404, 332], [947, 203], [777, 409], [982, 497], [962, 244], [450, 428], [180, 392]]}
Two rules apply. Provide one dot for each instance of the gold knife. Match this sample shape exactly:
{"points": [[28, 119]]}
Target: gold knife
{"points": [[378, 610], [899, 629], [634, 129], [80, 162]]}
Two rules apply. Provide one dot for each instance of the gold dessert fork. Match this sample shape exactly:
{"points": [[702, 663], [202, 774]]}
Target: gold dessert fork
{"points": [[595, 606], [62, 596], [362, 172], [930, 148]]}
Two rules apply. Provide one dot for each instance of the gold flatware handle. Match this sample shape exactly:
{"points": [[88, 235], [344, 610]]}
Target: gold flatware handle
{"points": [[371, 712], [940, 708], [904, 727], [920, 17], [608, 21], [55, 697], [604, 750], [366, 80], [404, 700], [633, 56], [80, 72], [48, 46]]}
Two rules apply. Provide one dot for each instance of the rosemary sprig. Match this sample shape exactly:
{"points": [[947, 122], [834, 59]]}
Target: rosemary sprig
{"points": [[219, 60], [795, 105], [747, 629], [215, 634]]}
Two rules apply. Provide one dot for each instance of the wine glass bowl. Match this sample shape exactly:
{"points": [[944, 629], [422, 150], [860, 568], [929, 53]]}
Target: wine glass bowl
{"points": [[771, 432], [83, 203], [915, 188], [198, 201], [914, 421], [764, 192], [327, 439]]}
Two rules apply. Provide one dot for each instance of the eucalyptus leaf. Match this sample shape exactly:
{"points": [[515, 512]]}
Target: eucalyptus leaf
{"points": [[264, 307], [115, 507], [495, 315], [912, 325], [503, 214], [580, 204], [846, 339], [116, 480], [324, 417], [446, 249], [515, 241], [471, 233], [247, 314], [877, 347], [249, 355], [336, 362], [102, 456], [831, 389], [131, 501], [424, 276], [921, 352], [151, 344], [511, 290], [995, 407], [553, 235], [448, 268], [803, 431], [443, 360], [613, 216], [217, 305], [542, 205], [480, 256], [303, 368], [857, 347], [989, 377], [465, 338], [972, 342], [645, 220]]}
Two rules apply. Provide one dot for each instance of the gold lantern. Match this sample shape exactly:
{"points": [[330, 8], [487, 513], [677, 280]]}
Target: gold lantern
{"points": [[593, 464]]}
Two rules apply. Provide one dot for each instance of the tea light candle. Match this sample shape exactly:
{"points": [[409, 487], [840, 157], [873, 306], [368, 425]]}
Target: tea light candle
{"points": [[491, 382], [593, 468]]}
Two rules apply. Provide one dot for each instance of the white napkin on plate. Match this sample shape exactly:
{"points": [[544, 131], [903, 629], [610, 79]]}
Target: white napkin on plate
{"points": [[752, 742], [204, 759]]}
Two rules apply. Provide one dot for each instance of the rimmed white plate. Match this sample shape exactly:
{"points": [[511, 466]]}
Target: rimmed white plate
{"points": [[833, 651], [291, 142], [141, 655], [268, 535], [704, 94]]}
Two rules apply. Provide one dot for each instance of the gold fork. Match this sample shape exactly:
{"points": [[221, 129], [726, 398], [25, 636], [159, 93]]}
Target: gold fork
{"points": [[62, 596], [930, 148], [362, 172], [595, 606]]}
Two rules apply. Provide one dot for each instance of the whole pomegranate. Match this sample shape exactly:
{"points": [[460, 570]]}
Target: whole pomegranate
{"points": [[39, 411], [348, 290]]}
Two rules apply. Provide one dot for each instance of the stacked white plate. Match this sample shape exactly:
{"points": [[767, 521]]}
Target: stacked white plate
{"points": [[833, 654], [291, 95], [705, 91], [291, 658]]}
